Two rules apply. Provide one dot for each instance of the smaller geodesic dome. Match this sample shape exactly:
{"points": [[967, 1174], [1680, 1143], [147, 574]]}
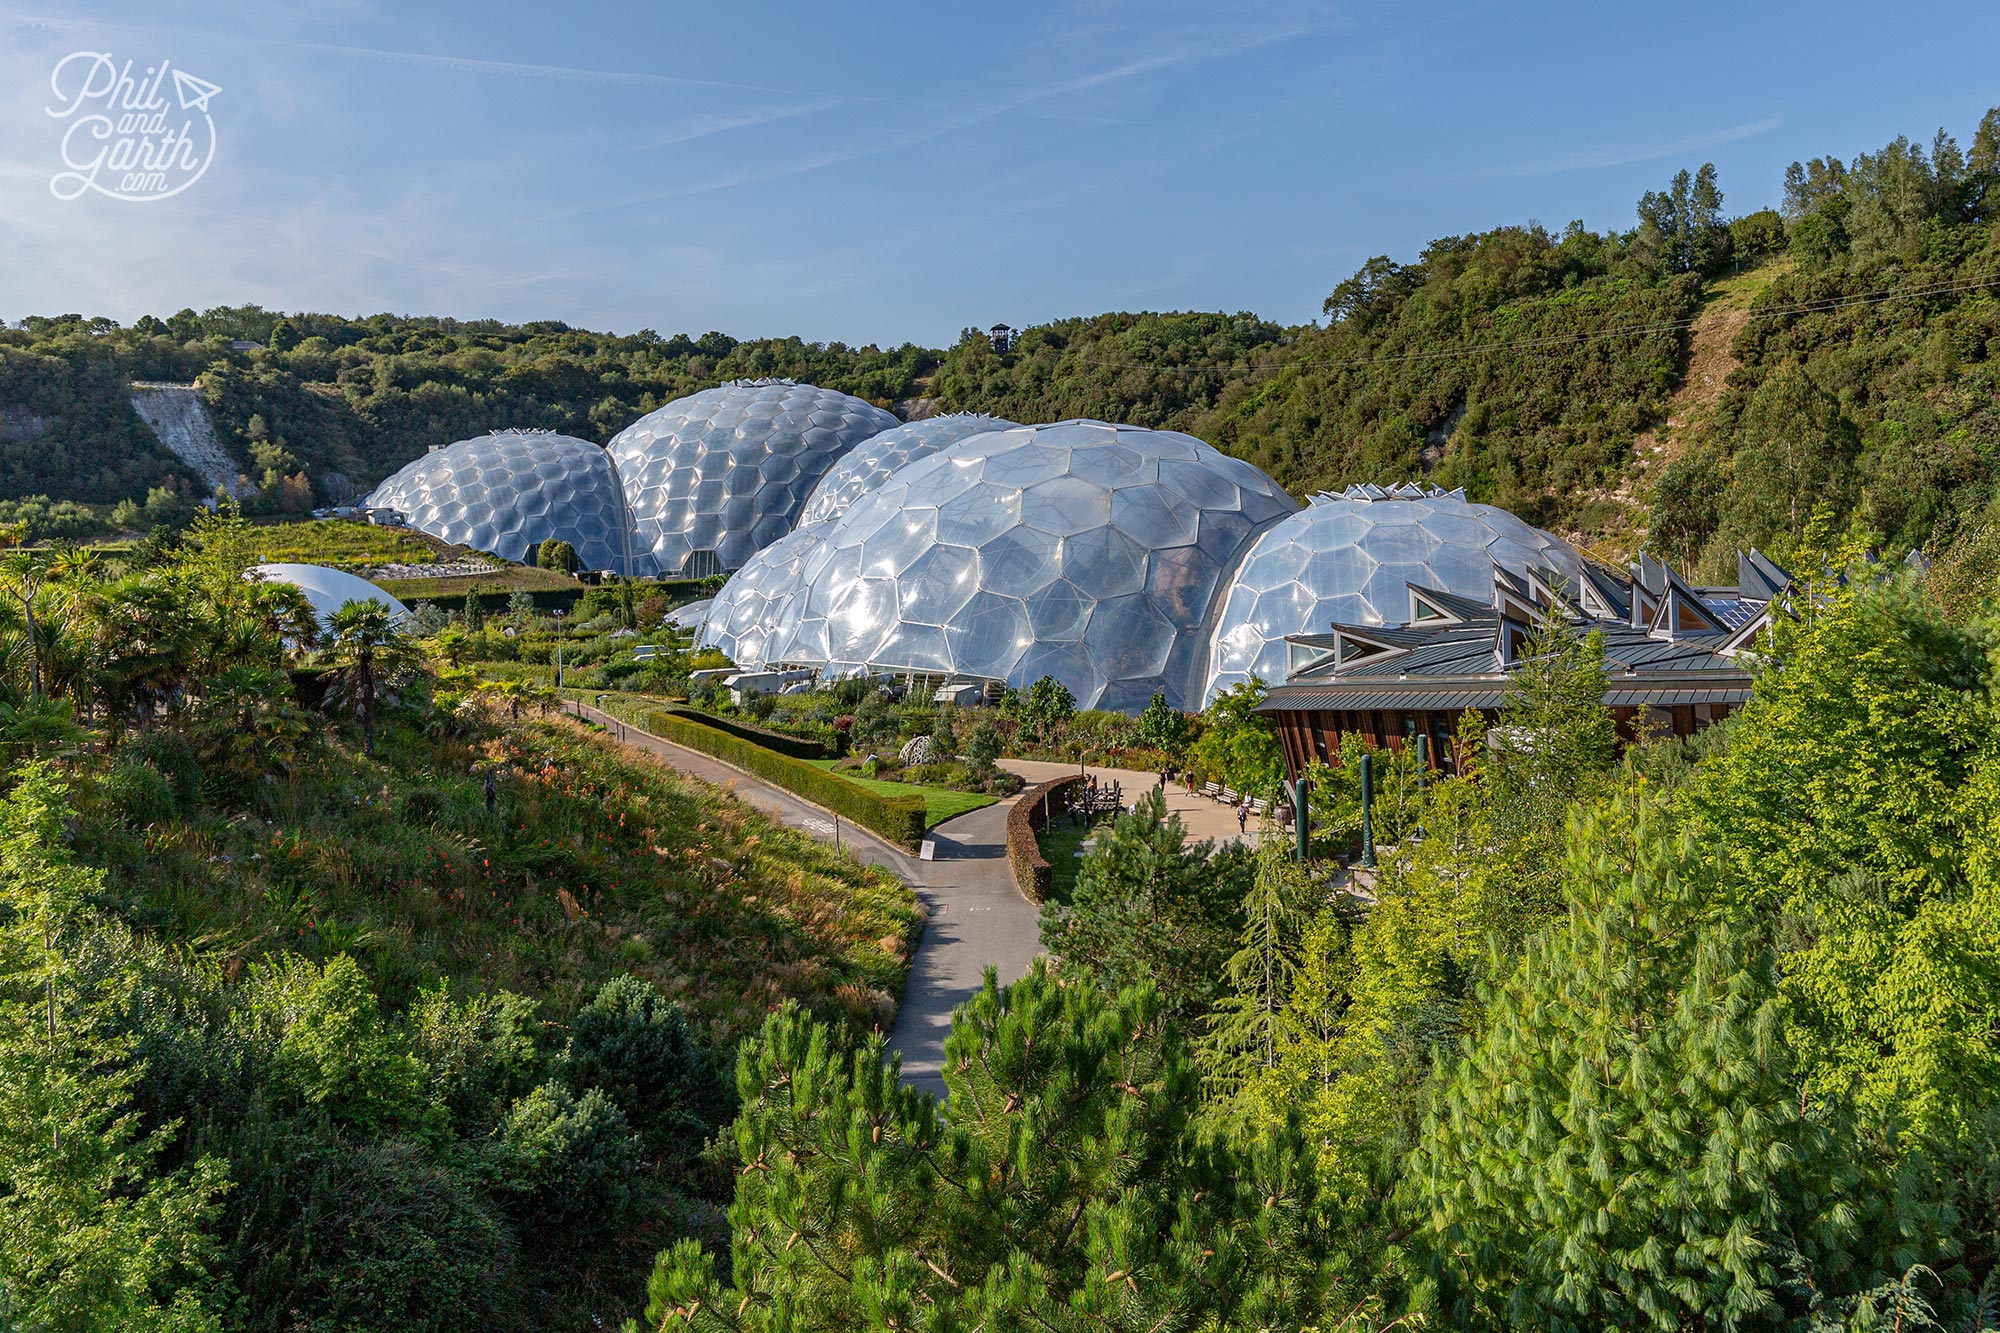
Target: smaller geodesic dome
{"points": [[1350, 558], [752, 615], [326, 589], [870, 463], [509, 491], [690, 616], [1086, 551], [712, 478]]}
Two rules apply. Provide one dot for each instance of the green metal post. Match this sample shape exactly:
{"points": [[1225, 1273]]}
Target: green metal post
{"points": [[1368, 811], [1299, 817]]}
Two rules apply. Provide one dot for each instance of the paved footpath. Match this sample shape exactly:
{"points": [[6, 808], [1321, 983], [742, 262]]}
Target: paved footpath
{"points": [[1203, 817], [975, 915]]}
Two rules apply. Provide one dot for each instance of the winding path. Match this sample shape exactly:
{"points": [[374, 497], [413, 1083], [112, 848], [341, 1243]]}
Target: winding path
{"points": [[975, 915]]}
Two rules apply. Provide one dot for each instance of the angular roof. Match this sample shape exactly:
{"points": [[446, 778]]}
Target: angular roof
{"points": [[1665, 642]]}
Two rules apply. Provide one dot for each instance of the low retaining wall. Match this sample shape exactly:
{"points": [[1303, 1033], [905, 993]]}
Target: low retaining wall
{"points": [[1024, 850]]}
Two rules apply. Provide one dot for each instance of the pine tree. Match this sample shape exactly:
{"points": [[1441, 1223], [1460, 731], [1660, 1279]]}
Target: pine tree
{"points": [[1070, 1189], [92, 1235], [1622, 1146], [1247, 1030], [1150, 906]]}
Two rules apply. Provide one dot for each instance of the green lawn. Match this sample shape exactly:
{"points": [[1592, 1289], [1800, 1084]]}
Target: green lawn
{"points": [[940, 803], [1059, 848]]}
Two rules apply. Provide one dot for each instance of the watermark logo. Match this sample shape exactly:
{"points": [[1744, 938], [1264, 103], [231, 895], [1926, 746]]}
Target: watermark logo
{"points": [[132, 135]]}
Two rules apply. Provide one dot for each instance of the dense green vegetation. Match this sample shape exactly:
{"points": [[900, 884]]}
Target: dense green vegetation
{"points": [[1521, 363], [341, 991], [336, 993], [1700, 1038]]}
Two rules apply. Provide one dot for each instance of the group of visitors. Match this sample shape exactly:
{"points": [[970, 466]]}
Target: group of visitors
{"points": [[1187, 776]]}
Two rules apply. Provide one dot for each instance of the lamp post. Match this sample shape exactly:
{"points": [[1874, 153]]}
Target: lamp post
{"points": [[559, 648]]}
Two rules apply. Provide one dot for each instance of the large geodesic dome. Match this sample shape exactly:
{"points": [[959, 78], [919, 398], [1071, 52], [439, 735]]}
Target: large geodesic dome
{"points": [[870, 463], [752, 615], [509, 491], [1349, 558], [1086, 551], [712, 478]]}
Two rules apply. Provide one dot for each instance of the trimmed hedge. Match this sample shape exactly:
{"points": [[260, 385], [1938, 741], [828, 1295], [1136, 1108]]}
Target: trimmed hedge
{"points": [[1024, 850], [798, 747], [898, 819]]}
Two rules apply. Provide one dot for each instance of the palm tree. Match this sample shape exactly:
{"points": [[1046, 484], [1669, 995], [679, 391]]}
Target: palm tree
{"points": [[368, 648]]}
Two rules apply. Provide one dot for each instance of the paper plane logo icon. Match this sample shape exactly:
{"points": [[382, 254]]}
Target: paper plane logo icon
{"points": [[194, 93]]}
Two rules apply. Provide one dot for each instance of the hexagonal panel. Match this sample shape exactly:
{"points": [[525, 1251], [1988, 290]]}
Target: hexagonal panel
{"points": [[728, 438], [509, 491], [1349, 558], [876, 459]]}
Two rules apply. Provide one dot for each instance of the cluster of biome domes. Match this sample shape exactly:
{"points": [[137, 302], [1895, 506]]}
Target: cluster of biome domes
{"points": [[1124, 562]]}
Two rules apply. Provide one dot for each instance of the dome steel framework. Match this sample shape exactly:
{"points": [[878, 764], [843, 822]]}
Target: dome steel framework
{"points": [[509, 491], [712, 478], [1081, 550], [1350, 558]]}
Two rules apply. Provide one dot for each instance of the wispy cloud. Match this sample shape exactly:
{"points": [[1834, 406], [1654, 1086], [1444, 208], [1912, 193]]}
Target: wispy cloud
{"points": [[1619, 155]]}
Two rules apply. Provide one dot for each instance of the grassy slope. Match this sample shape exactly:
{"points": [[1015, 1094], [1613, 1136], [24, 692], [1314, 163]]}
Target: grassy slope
{"points": [[595, 863], [343, 543], [512, 578]]}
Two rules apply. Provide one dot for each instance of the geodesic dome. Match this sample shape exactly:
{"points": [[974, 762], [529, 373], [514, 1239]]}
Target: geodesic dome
{"points": [[712, 478], [870, 463], [752, 613], [509, 491], [1085, 551], [1349, 558], [326, 589]]}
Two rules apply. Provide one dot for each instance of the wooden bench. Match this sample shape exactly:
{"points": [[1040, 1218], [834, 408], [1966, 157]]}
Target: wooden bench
{"points": [[1212, 789]]}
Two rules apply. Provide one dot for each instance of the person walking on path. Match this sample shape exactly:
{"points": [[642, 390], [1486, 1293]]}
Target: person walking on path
{"points": [[1243, 815]]}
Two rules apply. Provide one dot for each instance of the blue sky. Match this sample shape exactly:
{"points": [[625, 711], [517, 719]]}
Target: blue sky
{"points": [[889, 172]]}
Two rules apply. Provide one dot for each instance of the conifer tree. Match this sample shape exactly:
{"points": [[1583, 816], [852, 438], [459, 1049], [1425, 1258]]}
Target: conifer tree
{"points": [[1247, 1031], [1149, 906], [1070, 1188], [1622, 1146], [92, 1235]]}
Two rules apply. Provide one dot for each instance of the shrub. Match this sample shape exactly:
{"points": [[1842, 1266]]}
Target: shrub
{"points": [[572, 1166], [899, 819], [635, 1044], [370, 1234], [172, 756], [139, 793], [338, 1055]]}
